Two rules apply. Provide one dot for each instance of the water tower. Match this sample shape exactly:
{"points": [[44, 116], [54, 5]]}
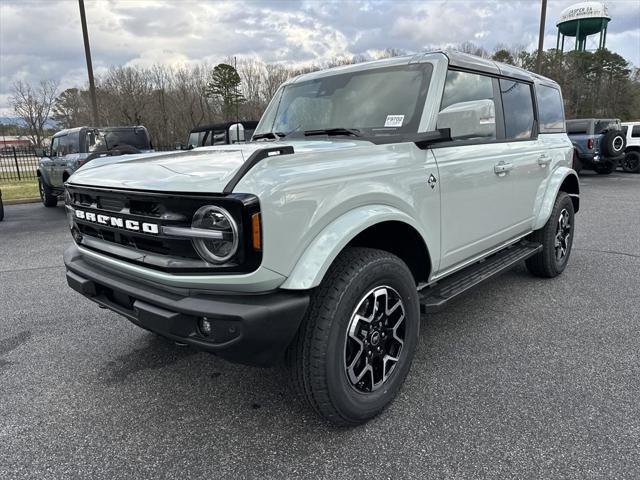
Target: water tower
{"points": [[580, 21]]}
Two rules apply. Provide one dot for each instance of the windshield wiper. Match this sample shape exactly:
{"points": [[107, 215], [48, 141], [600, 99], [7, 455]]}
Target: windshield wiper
{"points": [[274, 135], [352, 132]]}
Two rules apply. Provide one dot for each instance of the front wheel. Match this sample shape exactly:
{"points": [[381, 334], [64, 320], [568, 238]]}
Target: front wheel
{"points": [[556, 238], [355, 346], [48, 198]]}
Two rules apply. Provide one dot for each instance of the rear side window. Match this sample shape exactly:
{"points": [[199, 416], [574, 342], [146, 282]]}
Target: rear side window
{"points": [[625, 130], [578, 126], [550, 109], [517, 104], [635, 131]]}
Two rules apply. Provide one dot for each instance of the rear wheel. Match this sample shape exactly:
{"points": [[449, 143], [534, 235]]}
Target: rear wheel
{"points": [[604, 168], [354, 348], [556, 238], [631, 162], [49, 199]]}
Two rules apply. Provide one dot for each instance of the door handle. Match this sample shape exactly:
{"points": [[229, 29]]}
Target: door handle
{"points": [[502, 168], [543, 160]]}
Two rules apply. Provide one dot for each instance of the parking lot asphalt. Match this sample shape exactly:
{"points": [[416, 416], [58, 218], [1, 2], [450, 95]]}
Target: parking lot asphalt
{"points": [[522, 378]]}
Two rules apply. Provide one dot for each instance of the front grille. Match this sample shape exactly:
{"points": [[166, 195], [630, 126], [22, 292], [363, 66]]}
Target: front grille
{"points": [[157, 251]]}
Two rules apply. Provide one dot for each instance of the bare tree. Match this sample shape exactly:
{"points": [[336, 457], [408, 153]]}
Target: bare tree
{"points": [[33, 105]]}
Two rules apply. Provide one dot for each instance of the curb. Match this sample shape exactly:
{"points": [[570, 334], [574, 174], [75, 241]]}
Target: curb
{"points": [[18, 201]]}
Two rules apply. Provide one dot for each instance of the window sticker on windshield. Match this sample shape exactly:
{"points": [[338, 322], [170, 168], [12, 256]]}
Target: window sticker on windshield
{"points": [[394, 121]]}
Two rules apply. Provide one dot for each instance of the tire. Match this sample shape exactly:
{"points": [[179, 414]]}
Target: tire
{"points": [[631, 162], [48, 198], [1, 209], [548, 263], [604, 168], [322, 354], [577, 163], [613, 143]]}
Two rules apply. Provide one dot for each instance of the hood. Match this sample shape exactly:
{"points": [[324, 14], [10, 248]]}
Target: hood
{"points": [[204, 169]]}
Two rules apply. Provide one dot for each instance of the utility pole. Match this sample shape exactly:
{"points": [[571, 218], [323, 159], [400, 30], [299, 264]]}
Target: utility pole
{"points": [[543, 15], [87, 53]]}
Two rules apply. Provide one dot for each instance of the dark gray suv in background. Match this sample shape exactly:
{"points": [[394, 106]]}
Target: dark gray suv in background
{"points": [[598, 144], [72, 148]]}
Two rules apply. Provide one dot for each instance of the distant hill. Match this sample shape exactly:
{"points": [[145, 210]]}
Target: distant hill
{"points": [[17, 121]]}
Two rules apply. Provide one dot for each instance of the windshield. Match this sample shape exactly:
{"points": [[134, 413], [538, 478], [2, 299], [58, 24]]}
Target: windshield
{"points": [[379, 101]]}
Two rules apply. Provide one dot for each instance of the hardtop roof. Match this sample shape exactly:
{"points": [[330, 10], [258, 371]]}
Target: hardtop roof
{"points": [[67, 131], [455, 59]]}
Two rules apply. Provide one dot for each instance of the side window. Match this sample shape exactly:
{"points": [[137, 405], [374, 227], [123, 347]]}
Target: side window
{"points": [[73, 142], [635, 131], [625, 130], [550, 109], [89, 141], [468, 106], [63, 145], [465, 87], [219, 137], [55, 146], [517, 103]]}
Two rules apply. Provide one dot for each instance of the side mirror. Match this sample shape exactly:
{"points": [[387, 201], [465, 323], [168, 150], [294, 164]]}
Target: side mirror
{"points": [[41, 152], [236, 133], [179, 146], [467, 120]]}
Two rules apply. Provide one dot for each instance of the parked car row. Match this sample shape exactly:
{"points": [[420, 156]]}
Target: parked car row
{"points": [[72, 148]]}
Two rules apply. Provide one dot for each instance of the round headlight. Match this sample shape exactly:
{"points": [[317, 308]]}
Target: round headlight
{"points": [[215, 219]]}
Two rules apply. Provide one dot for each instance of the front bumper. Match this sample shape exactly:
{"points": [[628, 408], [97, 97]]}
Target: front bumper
{"points": [[253, 329]]}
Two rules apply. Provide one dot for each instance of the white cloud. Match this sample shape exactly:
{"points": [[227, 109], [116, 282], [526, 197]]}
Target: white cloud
{"points": [[43, 39]]}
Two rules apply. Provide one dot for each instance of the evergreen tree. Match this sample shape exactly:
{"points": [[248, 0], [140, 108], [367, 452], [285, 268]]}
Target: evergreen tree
{"points": [[225, 85]]}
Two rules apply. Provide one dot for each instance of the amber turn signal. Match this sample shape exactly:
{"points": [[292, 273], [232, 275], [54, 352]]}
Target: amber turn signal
{"points": [[256, 231]]}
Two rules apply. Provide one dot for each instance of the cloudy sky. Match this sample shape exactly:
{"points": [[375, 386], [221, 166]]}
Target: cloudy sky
{"points": [[43, 39]]}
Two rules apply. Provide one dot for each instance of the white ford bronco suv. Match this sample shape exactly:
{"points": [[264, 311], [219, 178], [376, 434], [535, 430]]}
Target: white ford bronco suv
{"points": [[369, 193]]}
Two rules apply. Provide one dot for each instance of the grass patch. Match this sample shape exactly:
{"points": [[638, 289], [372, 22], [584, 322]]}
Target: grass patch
{"points": [[15, 190]]}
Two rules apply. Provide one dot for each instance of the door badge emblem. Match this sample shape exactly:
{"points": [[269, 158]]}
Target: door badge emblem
{"points": [[432, 181]]}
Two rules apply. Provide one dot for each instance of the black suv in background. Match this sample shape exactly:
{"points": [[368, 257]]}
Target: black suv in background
{"points": [[220, 134]]}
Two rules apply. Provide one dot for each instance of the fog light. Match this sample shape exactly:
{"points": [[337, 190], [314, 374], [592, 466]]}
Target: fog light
{"points": [[205, 326]]}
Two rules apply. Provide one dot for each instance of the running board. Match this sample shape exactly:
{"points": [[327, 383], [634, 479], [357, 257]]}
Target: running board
{"points": [[435, 297]]}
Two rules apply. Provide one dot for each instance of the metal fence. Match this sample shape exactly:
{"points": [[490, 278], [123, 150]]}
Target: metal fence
{"points": [[20, 164]]}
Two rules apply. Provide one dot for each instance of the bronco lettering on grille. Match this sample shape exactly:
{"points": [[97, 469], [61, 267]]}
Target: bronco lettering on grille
{"points": [[118, 222]]}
